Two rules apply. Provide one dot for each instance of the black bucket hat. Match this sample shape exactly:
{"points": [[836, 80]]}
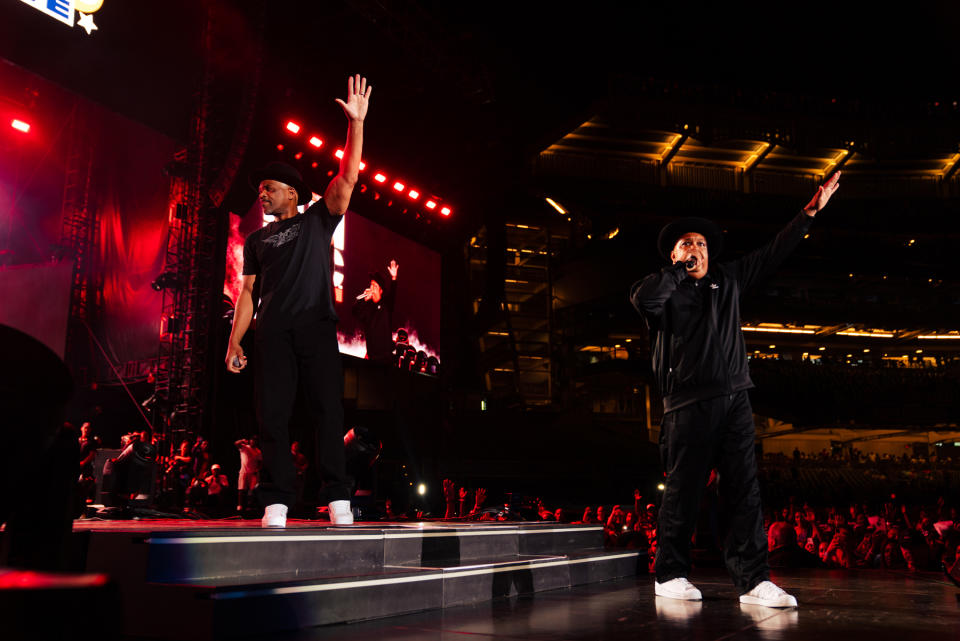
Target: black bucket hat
{"points": [[282, 172], [671, 233], [379, 279]]}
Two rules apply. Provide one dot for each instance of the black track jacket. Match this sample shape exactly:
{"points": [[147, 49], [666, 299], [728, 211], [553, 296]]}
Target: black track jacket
{"points": [[695, 338]]}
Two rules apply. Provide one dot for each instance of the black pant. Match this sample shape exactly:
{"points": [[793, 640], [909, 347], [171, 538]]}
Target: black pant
{"points": [[717, 432], [307, 355]]}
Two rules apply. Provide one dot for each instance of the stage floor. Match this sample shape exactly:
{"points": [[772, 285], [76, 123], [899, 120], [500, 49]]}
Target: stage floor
{"points": [[203, 525], [867, 604]]}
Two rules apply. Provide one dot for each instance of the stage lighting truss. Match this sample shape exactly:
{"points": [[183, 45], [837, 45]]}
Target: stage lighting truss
{"points": [[395, 186]]}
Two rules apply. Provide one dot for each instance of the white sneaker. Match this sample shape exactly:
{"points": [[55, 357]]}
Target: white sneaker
{"points": [[340, 513], [274, 516], [678, 588], [768, 594]]}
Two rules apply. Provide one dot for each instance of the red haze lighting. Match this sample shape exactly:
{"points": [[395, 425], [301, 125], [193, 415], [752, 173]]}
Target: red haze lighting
{"points": [[398, 186], [316, 142], [431, 204], [445, 211], [19, 125], [414, 194], [380, 178], [293, 127]]}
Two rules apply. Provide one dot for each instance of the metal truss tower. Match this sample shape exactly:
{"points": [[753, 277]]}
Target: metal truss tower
{"points": [[80, 232]]}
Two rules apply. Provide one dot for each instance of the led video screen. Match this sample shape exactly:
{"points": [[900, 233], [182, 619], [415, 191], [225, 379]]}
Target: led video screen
{"points": [[363, 253]]}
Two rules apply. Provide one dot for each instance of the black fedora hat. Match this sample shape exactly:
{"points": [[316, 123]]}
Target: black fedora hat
{"points": [[282, 172], [671, 233]]}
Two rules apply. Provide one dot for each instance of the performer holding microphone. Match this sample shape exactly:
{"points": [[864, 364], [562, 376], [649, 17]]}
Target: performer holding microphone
{"points": [[692, 309], [374, 311]]}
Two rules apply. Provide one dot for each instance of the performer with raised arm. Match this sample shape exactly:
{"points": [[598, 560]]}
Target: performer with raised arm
{"points": [[374, 311], [692, 309], [296, 339]]}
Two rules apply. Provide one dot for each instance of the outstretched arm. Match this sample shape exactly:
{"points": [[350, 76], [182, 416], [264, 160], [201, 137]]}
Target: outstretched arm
{"points": [[761, 262], [337, 195], [391, 294]]}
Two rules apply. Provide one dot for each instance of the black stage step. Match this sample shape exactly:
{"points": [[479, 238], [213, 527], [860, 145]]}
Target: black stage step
{"points": [[229, 579]]}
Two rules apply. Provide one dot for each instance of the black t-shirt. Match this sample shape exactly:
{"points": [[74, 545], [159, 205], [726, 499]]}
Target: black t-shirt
{"points": [[291, 259]]}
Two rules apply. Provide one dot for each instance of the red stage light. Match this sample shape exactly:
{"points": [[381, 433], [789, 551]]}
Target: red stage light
{"points": [[279, 147], [445, 211], [414, 194], [298, 155], [314, 164], [339, 153], [316, 142], [293, 127], [363, 165], [380, 178], [399, 186], [431, 204], [20, 125]]}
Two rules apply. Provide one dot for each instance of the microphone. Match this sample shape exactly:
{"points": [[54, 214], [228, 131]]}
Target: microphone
{"points": [[690, 263], [362, 296]]}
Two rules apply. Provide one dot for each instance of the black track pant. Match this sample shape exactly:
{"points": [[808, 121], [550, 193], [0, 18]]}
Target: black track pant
{"points": [[307, 356], [717, 432]]}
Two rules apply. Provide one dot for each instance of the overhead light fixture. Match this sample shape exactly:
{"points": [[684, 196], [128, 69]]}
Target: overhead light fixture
{"points": [[865, 334], [445, 211], [380, 178], [20, 125], [778, 330], [556, 205], [431, 205], [293, 127], [316, 142]]}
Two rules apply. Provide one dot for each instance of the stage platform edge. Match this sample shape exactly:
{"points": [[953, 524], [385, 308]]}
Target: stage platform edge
{"points": [[227, 579]]}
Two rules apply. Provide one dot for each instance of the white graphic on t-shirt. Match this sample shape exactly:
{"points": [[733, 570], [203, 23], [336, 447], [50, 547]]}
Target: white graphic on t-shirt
{"points": [[283, 237]]}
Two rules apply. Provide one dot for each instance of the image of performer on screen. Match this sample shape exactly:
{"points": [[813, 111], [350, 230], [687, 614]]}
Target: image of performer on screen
{"points": [[374, 311]]}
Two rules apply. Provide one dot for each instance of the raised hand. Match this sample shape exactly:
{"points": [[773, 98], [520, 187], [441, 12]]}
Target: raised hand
{"points": [[358, 98], [823, 195], [393, 267], [480, 496]]}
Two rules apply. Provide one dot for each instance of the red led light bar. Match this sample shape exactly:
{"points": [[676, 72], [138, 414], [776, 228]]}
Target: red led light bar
{"points": [[293, 127], [316, 142], [20, 125]]}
